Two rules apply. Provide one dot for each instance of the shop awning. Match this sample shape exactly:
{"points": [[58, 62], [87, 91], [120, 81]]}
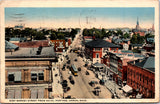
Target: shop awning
{"points": [[97, 64], [127, 89], [139, 96]]}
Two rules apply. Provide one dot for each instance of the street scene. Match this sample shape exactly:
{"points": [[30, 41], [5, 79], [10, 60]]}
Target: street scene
{"points": [[79, 53]]}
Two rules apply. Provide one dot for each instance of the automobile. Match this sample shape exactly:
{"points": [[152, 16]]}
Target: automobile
{"points": [[63, 68], [56, 75], [101, 82], [92, 83], [87, 73], [75, 59], [68, 88], [68, 97], [71, 80], [79, 69], [68, 67], [68, 62], [86, 65]]}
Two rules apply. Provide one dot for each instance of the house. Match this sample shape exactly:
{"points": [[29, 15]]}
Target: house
{"points": [[141, 76]]}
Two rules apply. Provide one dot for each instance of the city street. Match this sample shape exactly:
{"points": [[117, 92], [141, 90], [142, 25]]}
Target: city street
{"points": [[81, 88]]}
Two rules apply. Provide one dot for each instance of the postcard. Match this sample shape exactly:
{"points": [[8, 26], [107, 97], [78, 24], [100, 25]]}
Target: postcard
{"points": [[81, 51]]}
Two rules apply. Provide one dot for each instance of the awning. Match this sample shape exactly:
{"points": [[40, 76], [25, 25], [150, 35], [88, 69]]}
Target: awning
{"points": [[97, 64], [127, 89], [139, 96]]}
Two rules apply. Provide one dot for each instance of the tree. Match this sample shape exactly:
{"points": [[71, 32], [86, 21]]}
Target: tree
{"points": [[137, 39], [40, 36], [53, 36], [60, 36]]}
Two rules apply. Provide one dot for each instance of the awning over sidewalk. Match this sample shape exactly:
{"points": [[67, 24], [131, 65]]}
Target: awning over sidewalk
{"points": [[98, 65], [127, 89], [139, 96]]}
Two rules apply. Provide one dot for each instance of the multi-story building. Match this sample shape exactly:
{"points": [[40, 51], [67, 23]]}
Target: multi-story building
{"points": [[141, 76], [59, 45], [28, 73], [116, 63], [97, 48]]}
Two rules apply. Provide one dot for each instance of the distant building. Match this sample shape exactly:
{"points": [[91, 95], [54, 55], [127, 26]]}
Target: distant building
{"points": [[141, 76], [149, 47], [28, 73], [9, 47], [17, 40], [96, 49], [59, 45], [33, 44], [137, 25]]}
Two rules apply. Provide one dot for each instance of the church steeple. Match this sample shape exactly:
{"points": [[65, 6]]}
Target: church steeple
{"points": [[137, 25], [137, 21]]}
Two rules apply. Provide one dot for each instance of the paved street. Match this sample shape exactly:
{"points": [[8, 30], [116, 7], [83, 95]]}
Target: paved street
{"points": [[81, 88]]}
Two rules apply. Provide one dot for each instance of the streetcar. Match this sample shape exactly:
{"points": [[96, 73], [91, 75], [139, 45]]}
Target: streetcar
{"points": [[74, 70]]}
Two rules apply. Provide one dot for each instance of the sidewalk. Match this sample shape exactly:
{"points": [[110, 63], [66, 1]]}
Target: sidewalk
{"points": [[111, 86]]}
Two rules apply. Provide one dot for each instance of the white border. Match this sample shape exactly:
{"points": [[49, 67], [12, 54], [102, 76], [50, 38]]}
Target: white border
{"points": [[79, 3]]}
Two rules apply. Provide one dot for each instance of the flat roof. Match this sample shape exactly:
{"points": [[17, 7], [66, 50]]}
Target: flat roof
{"points": [[46, 52]]}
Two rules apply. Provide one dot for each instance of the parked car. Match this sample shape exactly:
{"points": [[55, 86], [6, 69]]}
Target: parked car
{"points": [[71, 79], [101, 82], [87, 73], [79, 69], [68, 62]]}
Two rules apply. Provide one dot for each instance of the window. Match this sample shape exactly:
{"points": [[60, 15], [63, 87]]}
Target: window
{"points": [[34, 76], [147, 80], [40, 76], [97, 49], [97, 55], [11, 77]]}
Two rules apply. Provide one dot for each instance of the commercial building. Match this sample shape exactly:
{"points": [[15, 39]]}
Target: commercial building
{"points": [[116, 64], [141, 76], [28, 73], [96, 49]]}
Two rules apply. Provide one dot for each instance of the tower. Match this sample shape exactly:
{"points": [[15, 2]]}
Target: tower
{"points": [[137, 26]]}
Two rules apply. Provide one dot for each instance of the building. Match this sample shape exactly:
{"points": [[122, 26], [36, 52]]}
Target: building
{"points": [[96, 49], [137, 25], [59, 45], [141, 76], [9, 47], [28, 73], [116, 64], [33, 44], [17, 40]]}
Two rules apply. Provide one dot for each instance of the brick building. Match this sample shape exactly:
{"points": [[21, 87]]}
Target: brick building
{"points": [[141, 76], [59, 45], [28, 74], [97, 48], [116, 63]]}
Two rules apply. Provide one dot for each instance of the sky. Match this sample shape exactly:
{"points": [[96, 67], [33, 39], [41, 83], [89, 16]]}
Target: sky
{"points": [[99, 17]]}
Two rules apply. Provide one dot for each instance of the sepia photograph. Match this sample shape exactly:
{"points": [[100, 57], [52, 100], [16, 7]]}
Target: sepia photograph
{"points": [[84, 53]]}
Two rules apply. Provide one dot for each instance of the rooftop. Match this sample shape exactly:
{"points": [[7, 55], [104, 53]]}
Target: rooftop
{"points": [[31, 53], [99, 43], [147, 63], [9, 45]]}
